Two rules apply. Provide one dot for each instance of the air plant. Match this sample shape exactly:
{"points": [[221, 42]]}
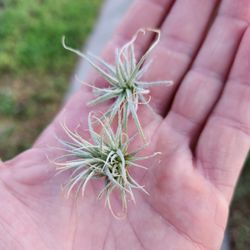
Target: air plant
{"points": [[126, 86], [104, 156]]}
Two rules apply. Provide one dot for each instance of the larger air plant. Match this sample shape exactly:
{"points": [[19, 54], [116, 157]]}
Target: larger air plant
{"points": [[125, 86], [106, 155]]}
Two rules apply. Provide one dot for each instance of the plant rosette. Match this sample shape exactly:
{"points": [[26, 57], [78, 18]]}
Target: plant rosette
{"points": [[125, 86], [105, 156]]}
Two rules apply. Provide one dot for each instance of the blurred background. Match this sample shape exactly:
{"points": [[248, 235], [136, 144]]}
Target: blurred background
{"points": [[35, 72]]}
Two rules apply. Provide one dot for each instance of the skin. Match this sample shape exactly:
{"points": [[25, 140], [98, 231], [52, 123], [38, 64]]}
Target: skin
{"points": [[201, 125]]}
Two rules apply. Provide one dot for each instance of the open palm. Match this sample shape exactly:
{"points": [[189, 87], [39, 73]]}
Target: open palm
{"points": [[201, 125]]}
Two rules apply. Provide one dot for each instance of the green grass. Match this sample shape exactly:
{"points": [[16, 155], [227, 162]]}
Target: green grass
{"points": [[32, 31], [34, 67], [7, 104]]}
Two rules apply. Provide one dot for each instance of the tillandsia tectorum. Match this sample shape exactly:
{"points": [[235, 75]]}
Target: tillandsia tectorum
{"points": [[104, 156], [124, 79]]}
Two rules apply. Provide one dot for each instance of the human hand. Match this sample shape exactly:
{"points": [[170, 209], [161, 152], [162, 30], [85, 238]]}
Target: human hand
{"points": [[201, 126]]}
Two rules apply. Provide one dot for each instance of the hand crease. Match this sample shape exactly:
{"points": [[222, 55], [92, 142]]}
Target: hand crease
{"points": [[136, 235], [184, 235]]}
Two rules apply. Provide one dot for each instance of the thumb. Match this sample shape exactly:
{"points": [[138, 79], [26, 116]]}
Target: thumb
{"points": [[30, 167]]}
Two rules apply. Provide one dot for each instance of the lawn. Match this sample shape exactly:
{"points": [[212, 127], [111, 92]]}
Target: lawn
{"points": [[34, 75], [34, 68]]}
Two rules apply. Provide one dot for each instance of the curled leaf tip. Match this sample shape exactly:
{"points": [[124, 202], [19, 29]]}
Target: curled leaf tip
{"points": [[106, 156]]}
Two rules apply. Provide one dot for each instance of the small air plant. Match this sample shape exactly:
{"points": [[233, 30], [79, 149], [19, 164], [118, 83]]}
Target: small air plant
{"points": [[105, 156], [124, 79]]}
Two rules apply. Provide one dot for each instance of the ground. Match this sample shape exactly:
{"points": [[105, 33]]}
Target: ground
{"points": [[35, 72]]}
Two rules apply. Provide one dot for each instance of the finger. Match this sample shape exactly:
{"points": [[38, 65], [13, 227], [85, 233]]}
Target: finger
{"points": [[204, 82], [225, 141], [182, 33], [143, 13]]}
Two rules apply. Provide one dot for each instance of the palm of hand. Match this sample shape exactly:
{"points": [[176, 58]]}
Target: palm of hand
{"points": [[183, 208], [191, 187]]}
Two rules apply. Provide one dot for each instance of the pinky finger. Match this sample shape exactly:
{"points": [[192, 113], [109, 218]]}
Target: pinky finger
{"points": [[225, 140]]}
